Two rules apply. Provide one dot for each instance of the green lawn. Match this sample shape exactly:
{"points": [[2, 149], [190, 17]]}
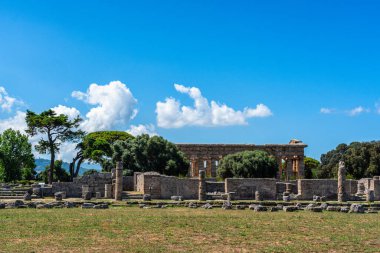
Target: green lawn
{"points": [[130, 229]]}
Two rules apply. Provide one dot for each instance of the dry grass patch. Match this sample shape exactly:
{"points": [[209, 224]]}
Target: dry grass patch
{"points": [[132, 229]]}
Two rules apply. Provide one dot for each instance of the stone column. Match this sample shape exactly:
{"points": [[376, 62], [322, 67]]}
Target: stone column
{"points": [[119, 181], [213, 167], [289, 168], [341, 182], [209, 167], [202, 186], [301, 167], [279, 164], [108, 191]]}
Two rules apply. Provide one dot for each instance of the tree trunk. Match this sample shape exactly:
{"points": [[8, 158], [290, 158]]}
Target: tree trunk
{"points": [[78, 166], [51, 170]]}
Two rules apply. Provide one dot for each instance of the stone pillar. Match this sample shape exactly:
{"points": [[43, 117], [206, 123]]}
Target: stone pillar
{"points": [[289, 168], [375, 187], [108, 191], [301, 168], [341, 182], [279, 164], [370, 197], [202, 186], [119, 181], [208, 167], [288, 188], [213, 167]]}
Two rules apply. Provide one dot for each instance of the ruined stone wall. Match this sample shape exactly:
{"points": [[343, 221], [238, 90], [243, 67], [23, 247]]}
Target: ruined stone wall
{"points": [[245, 188], [72, 189], [307, 188], [375, 187], [163, 187], [128, 183], [215, 186], [95, 181]]}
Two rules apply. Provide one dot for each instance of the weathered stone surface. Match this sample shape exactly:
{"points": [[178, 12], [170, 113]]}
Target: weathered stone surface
{"points": [[356, 208], [147, 197], [101, 206], [207, 206], [202, 186], [2, 205], [290, 208], [192, 205], [286, 198], [314, 209], [324, 206], [27, 196], [260, 208], [176, 198], [58, 196], [274, 209], [87, 196], [341, 182], [251, 207], [333, 208], [17, 203], [98, 195], [68, 204], [227, 205], [344, 209], [258, 196], [87, 205], [370, 196], [310, 206]]}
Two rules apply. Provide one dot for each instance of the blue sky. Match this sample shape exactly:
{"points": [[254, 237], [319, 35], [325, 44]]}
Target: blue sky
{"points": [[294, 57]]}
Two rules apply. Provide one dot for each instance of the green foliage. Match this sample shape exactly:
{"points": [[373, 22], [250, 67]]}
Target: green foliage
{"points": [[362, 159], [59, 173], [145, 153], [311, 166], [90, 172], [28, 174], [97, 146], [248, 164], [15, 154], [57, 128]]}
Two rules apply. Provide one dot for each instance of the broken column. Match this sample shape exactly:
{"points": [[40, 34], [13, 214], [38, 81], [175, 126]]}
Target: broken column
{"points": [[108, 191], [341, 182], [119, 180], [202, 185]]}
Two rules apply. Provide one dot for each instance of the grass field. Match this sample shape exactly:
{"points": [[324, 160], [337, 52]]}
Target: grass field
{"points": [[130, 229]]}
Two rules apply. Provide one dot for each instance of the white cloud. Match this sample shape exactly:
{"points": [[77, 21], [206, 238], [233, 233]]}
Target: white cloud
{"points": [[357, 110], [16, 122], [326, 110], [71, 112], [115, 106], [170, 113], [7, 102], [142, 129]]}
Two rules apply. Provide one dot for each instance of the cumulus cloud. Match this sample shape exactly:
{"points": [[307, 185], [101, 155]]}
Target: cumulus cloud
{"points": [[142, 129], [71, 112], [115, 105], [16, 122], [357, 110], [170, 113], [7, 102]]}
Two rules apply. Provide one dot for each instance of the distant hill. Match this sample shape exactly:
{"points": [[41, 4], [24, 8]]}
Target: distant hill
{"points": [[42, 163]]}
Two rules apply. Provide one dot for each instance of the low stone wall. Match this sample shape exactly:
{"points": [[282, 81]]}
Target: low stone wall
{"points": [[323, 187], [215, 186], [375, 187], [245, 188], [72, 189], [163, 187]]}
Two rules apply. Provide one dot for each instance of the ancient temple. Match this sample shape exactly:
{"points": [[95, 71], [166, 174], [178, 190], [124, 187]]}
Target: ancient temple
{"points": [[290, 157]]}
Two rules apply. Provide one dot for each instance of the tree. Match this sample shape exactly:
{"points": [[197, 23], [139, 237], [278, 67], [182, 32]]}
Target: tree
{"points": [[57, 128], [248, 164], [311, 167], [362, 159], [145, 153], [59, 173], [97, 147], [15, 154]]}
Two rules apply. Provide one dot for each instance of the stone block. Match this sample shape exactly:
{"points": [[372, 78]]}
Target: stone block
{"points": [[27, 196], [356, 208]]}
